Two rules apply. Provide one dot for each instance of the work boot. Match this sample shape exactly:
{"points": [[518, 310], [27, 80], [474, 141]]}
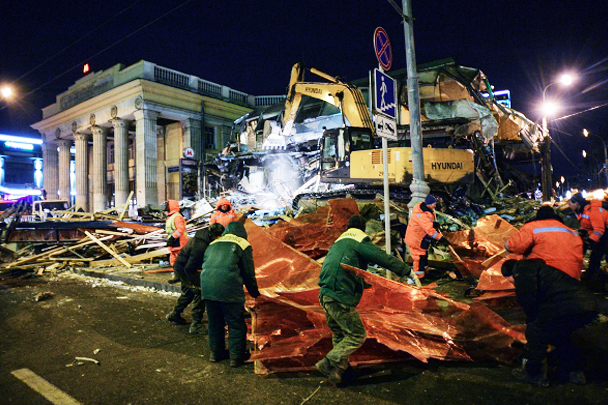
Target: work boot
{"points": [[240, 361], [329, 371], [198, 329], [175, 279], [177, 319], [523, 375], [214, 357], [577, 377]]}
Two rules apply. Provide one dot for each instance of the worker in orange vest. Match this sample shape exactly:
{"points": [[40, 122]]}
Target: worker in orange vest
{"points": [[421, 231], [593, 219], [546, 237], [224, 214], [175, 227]]}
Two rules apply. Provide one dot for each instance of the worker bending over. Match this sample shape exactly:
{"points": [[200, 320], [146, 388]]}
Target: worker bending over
{"points": [[421, 231], [555, 305], [547, 238], [341, 292], [593, 219]]}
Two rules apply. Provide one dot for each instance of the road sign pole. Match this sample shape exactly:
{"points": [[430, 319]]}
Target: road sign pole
{"points": [[384, 55], [419, 187]]}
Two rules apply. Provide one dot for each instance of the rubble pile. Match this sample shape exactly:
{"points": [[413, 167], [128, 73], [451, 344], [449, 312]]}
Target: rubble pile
{"points": [[288, 324]]}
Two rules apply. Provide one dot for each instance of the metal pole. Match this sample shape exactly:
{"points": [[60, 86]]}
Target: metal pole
{"points": [[547, 168], [419, 187], [605, 162], [387, 212]]}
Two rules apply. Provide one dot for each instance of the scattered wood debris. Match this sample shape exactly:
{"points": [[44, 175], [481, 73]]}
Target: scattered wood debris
{"points": [[43, 296]]}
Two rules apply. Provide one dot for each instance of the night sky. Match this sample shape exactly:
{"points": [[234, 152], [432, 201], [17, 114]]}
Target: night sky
{"points": [[251, 46]]}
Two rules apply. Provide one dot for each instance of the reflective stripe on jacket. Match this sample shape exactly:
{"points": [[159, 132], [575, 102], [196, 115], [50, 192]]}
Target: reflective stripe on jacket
{"points": [[420, 225], [223, 218], [594, 220], [176, 225], [552, 241]]}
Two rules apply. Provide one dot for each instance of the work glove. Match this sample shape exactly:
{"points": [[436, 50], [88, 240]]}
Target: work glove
{"points": [[415, 279], [443, 241], [436, 225], [170, 241], [583, 233]]}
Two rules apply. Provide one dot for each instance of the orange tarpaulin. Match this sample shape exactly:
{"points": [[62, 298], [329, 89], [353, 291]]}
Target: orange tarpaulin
{"points": [[290, 332], [478, 244]]}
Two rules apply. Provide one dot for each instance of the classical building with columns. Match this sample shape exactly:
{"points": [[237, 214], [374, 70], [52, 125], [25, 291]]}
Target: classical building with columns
{"points": [[129, 127]]}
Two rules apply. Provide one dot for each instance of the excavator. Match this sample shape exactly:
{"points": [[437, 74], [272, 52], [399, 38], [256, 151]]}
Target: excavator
{"points": [[328, 137]]}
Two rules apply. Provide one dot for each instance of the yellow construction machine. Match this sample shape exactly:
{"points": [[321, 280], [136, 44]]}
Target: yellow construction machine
{"points": [[349, 154]]}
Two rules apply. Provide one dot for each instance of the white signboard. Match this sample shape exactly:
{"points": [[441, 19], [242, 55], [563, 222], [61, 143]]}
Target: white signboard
{"points": [[386, 127]]}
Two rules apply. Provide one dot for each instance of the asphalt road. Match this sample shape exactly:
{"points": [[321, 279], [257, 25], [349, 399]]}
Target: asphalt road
{"points": [[145, 360]]}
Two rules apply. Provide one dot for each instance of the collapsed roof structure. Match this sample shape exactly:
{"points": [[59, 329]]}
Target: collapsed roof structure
{"points": [[459, 111]]}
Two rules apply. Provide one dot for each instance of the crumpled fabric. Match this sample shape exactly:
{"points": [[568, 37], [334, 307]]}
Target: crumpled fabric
{"points": [[289, 330]]}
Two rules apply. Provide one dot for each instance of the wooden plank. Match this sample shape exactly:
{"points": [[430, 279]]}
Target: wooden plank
{"points": [[125, 206], [132, 259], [488, 261], [107, 249]]}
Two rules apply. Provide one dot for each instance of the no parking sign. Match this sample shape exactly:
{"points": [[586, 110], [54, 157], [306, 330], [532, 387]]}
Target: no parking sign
{"points": [[382, 46]]}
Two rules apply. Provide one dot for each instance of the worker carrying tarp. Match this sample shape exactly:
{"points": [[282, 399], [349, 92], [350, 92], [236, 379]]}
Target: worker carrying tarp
{"points": [[546, 237], [341, 292], [421, 231], [223, 214], [593, 219]]}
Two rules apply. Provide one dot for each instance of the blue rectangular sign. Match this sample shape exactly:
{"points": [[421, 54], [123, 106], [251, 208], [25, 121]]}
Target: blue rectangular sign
{"points": [[385, 94]]}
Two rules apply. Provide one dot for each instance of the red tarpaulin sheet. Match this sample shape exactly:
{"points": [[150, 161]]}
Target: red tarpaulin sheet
{"points": [[314, 233], [476, 245], [290, 332]]}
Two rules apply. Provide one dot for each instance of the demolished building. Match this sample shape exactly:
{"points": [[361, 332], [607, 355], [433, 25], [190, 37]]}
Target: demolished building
{"points": [[275, 149]]}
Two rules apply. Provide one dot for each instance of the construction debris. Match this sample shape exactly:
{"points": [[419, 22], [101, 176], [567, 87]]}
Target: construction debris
{"points": [[43, 296], [288, 325]]}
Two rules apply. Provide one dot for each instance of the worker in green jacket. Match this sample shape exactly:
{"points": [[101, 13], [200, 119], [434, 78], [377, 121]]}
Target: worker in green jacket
{"points": [[228, 265], [341, 292]]}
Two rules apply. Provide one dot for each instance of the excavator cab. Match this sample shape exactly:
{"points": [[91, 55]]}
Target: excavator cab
{"points": [[336, 147]]}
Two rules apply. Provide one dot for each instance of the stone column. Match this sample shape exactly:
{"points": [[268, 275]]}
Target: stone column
{"points": [[50, 172], [121, 161], [64, 169], [82, 171], [193, 136], [100, 168], [146, 156]]}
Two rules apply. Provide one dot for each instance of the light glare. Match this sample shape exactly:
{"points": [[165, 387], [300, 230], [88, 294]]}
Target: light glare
{"points": [[549, 108], [566, 79], [6, 91]]}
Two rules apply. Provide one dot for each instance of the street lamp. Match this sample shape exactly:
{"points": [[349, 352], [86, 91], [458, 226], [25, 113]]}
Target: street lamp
{"points": [[549, 109], [6, 92], [605, 169]]}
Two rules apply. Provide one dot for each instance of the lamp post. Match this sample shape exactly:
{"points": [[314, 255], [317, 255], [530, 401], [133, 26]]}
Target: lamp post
{"points": [[605, 169], [547, 169]]}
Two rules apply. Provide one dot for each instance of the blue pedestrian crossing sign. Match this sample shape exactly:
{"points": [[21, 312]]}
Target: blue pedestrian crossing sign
{"points": [[385, 94]]}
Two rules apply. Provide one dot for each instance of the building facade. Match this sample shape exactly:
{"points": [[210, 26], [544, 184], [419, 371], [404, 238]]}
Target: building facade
{"points": [[131, 128]]}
